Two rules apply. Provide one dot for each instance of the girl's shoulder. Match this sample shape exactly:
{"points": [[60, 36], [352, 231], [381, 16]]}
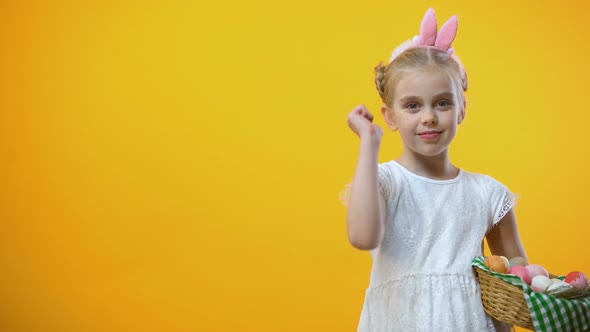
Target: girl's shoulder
{"points": [[484, 179], [388, 170], [497, 192]]}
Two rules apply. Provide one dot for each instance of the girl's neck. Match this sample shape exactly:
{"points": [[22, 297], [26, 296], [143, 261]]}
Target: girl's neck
{"points": [[437, 167]]}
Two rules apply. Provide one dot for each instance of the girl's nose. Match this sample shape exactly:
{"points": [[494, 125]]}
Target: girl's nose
{"points": [[429, 117]]}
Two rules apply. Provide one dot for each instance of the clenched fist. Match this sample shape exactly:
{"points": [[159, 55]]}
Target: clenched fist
{"points": [[360, 120]]}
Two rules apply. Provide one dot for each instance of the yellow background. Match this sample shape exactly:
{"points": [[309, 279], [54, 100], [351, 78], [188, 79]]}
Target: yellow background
{"points": [[176, 166]]}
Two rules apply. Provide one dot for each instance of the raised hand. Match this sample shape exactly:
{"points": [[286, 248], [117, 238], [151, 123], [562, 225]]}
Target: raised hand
{"points": [[360, 120]]}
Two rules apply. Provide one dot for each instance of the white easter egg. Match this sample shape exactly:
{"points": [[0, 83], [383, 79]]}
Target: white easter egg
{"points": [[558, 286], [540, 283]]}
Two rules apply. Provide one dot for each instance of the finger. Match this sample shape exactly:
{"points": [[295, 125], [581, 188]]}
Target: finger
{"points": [[361, 109], [367, 115], [354, 113]]}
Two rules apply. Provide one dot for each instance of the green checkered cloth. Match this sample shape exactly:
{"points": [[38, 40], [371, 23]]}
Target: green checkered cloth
{"points": [[548, 313]]}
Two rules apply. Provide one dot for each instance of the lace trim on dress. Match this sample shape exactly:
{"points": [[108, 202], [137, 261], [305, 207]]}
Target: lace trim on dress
{"points": [[466, 282], [405, 304], [508, 203], [345, 194]]}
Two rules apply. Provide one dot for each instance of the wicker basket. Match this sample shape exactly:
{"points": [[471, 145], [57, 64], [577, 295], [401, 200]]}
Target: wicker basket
{"points": [[504, 301]]}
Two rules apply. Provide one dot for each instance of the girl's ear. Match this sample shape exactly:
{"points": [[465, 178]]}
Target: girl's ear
{"points": [[389, 117], [462, 113]]}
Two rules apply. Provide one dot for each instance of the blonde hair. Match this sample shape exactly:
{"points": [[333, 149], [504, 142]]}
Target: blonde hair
{"points": [[386, 77]]}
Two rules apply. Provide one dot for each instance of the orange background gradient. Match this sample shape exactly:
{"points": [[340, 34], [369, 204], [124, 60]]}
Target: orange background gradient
{"points": [[176, 166]]}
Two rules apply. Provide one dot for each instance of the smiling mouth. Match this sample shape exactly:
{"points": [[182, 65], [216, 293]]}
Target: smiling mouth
{"points": [[430, 132], [429, 135]]}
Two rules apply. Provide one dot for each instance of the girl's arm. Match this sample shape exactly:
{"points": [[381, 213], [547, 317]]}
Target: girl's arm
{"points": [[504, 238], [366, 207]]}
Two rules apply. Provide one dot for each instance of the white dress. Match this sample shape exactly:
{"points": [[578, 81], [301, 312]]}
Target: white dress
{"points": [[422, 279]]}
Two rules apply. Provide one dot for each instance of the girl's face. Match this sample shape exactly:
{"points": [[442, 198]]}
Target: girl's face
{"points": [[425, 111]]}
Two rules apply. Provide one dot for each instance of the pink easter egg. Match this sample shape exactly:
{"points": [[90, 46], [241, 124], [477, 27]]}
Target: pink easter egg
{"points": [[577, 279], [537, 270], [522, 272]]}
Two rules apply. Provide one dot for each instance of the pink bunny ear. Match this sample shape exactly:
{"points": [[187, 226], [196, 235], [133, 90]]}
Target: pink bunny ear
{"points": [[428, 28], [428, 38], [447, 34]]}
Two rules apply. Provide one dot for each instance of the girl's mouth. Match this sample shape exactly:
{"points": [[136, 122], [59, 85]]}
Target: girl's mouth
{"points": [[430, 135]]}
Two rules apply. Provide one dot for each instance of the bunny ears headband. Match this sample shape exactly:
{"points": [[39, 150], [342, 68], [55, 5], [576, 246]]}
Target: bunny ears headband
{"points": [[430, 38]]}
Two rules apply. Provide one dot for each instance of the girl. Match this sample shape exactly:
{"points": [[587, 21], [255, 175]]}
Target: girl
{"points": [[423, 218]]}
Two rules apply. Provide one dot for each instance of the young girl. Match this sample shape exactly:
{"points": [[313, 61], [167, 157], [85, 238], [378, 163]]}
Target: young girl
{"points": [[423, 218]]}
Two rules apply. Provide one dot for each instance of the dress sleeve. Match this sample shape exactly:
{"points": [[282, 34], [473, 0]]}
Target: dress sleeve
{"points": [[385, 180], [502, 200]]}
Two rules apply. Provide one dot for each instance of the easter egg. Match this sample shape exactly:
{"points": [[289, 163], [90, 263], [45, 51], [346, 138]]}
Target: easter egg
{"points": [[558, 286], [577, 279], [540, 283], [537, 270], [498, 264], [522, 272], [514, 261]]}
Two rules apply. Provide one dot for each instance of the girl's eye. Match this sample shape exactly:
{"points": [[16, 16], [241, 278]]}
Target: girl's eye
{"points": [[412, 106], [443, 103]]}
